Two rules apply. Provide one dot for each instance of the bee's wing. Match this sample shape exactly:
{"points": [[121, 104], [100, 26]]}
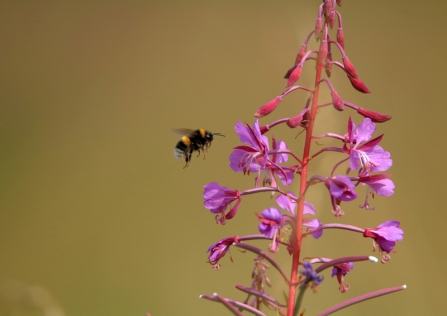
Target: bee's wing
{"points": [[183, 131]]}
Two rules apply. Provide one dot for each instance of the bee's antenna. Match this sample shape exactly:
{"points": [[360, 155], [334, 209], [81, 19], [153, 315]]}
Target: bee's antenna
{"points": [[218, 134]]}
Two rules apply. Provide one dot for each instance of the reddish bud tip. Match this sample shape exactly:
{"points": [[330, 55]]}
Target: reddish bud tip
{"points": [[328, 64], [337, 102], [301, 54], [358, 84], [295, 75], [341, 37], [339, 3], [268, 108], [349, 67], [374, 116], [332, 19], [318, 28]]}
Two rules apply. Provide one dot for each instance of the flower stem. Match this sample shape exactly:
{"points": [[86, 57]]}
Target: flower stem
{"points": [[303, 185]]}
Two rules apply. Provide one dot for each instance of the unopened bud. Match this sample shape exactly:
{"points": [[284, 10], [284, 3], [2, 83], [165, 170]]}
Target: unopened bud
{"points": [[318, 28], [298, 120], [331, 19], [287, 75], [339, 3], [341, 37], [337, 102], [301, 53], [268, 108], [264, 129], [327, 7], [328, 64], [374, 116], [322, 53], [358, 84], [349, 67], [295, 75]]}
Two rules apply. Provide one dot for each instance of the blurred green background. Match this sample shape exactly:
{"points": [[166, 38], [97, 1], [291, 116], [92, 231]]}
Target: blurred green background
{"points": [[98, 218]]}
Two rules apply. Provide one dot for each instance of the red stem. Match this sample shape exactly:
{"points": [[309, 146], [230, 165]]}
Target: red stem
{"points": [[303, 184]]}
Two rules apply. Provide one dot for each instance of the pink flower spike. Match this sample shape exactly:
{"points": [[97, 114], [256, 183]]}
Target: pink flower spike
{"points": [[376, 117], [358, 84], [268, 108], [295, 75], [349, 67]]}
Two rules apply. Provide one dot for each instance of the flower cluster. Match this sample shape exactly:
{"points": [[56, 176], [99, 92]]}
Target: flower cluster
{"points": [[360, 164]]}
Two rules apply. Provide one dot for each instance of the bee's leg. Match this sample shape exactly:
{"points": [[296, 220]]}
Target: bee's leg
{"points": [[204, 154], [187, 159]]}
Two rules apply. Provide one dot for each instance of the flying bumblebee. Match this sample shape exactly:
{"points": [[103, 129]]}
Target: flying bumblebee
{"points": [[191, 141]]}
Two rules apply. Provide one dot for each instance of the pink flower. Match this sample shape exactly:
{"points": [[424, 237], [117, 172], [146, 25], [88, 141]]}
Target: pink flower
{"points": [[218, 198]]}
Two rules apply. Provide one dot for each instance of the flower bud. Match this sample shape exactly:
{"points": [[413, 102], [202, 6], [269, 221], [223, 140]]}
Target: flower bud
{"points": [[322, 53], [337, 102], [298, 120], [358, 84], [327, 7], [349, 67], [339, 3], [287, 75], [301, 53], [328, 64], [268, 108], [341, 37], [295, 75], [374, 116], [318, 28], [331, 19]]}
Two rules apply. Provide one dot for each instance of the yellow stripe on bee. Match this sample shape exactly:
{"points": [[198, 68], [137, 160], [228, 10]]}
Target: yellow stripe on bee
{"points": [[186, 140], [202, 132]]}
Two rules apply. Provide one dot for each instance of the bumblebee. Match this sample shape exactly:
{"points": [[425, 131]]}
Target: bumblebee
{"points": [[191, 141]]}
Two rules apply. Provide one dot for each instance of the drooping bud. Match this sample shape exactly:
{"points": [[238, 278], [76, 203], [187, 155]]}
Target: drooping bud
{"points": [[339, 3], [301, 53], [331, 19], [349, 67], [341, 37], [328, 64], [337, 102], [376, 117], [295, 75], [318, 28], [268, 108], [298, 120], [358, 84]]}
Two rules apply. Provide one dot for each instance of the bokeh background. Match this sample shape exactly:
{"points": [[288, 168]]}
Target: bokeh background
{"points": [[98, 218]]}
